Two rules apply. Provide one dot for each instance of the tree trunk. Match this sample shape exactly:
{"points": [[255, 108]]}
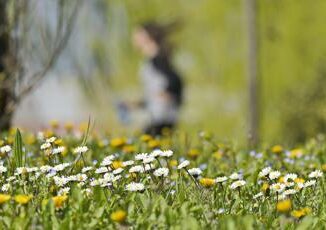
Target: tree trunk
{"points": [[251, 11], [6, 90]]}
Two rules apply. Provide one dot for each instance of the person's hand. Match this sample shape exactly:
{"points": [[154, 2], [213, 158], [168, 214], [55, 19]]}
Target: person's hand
{"points": [[131, 104]]}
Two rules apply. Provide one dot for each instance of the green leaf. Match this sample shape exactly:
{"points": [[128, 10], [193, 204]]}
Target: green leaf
{"points": [[87, 132], [18, 150]]}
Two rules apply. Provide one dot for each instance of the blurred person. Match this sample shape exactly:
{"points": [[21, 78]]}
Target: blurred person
{"points": [[162, 85]]}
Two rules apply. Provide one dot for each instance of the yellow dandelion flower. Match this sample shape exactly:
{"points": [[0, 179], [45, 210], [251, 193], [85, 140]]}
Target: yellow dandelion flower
{"points": [[30, 139], [118, 142], [281, 179], [69, 127], [173, 163], [301, 212], [65, 152], [48, 133], [299, 180], [277, 149], [118, 216], [101, 144], [59, 200], [59, 141], [218, 155], [4, 198], [297, 213], [83, 127], [207, 182], [12, 131], [146, 138], [284, 206], [265, 187], [54, 124], [323, 167], [23, 199], [129, 149], [117, 164], [10, 140], [166, 131], [193, 153], [153, 144], [307, 210], [296, 153]]}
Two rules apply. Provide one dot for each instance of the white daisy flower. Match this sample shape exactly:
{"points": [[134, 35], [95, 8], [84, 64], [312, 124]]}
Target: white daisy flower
{"points": [[80, 150], [289, 184], [277, 187], [5, 187], [167, 153], [5, 149], [260, 194], [106, 162], [309, 183], [45, 145], [161, 172], [81, 177], [148, 159], [315, 174], [149, 167], [234, 176], [264, 172], [127, 163], [134, 187], [11, 178], [300, 185], [141, 156], [291, 176], [195, 171], [20, 170], [238, 184], [290, 192], [156, 153], [221, 179], [3, 169], [282, 196], [183, 164], [86, 169], [101, 170], [50, 140], [87, 192], [136, 169], [63, 191], [61, 167], [274, 175], [60, 181], [117, 171], [116, 178], [45, 168], [58, 150], [94, 183]]}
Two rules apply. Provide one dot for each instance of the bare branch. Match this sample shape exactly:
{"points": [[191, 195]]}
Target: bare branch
{"points": [[39, 76]]}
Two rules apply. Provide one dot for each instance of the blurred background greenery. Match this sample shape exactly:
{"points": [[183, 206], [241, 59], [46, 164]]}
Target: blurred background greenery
{"points": [[211, 54]]}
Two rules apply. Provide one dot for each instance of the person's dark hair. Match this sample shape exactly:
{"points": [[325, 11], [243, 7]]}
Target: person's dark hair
{"points": [[160, 33]]}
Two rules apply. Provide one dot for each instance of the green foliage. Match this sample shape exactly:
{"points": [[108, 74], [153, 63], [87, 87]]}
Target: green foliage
{"points": [[304, 112], [178, 201]]}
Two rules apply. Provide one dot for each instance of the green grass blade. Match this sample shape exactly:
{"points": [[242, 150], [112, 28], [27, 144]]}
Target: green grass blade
{"points": [[87, 132], [18, 149]]}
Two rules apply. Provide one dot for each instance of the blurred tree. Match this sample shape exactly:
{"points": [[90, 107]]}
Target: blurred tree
{"points": [[304, 110], [251, 10], [29, 47]]}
